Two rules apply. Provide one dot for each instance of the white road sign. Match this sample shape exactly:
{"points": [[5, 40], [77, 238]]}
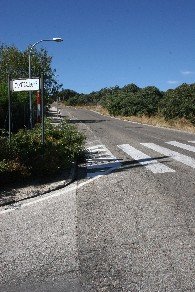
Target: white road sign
{"points": [[25, 84]]}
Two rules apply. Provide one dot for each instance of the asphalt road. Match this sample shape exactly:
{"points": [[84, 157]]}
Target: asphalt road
{"points": [[126, 224]]}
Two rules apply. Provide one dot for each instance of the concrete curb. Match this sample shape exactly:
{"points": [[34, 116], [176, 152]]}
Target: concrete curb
{"points": [[48, 188], [33, 191]]}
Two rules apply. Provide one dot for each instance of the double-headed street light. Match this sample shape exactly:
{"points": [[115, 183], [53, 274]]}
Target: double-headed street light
{"points": [[30, 51]]}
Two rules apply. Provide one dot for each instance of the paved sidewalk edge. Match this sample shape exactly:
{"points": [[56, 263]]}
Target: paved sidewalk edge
{"points": [[51, 187]]}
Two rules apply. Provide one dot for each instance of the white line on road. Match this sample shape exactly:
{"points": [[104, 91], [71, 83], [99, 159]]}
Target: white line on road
{"points": [[100, 159], [31, 201], [95, 147], [49, 196], [181, 145], [175, 155], [151, 164]]}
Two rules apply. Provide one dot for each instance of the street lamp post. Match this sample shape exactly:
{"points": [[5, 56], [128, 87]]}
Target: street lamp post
{"points": [[29, 70]]}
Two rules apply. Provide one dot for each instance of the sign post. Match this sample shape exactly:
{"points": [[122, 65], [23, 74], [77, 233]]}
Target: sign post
{"points": [[9, 108], [42, 110], [38, 100]]}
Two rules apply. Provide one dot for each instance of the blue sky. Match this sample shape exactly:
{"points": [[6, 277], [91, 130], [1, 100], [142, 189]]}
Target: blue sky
{"points": [[107, 42]]}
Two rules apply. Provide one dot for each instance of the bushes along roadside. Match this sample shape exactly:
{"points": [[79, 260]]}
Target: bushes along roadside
{"points": [[26, 157]]}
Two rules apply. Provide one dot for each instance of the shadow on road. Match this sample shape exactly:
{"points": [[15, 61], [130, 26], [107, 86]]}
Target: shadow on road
{"points": [[85, 121], [125, 166]]}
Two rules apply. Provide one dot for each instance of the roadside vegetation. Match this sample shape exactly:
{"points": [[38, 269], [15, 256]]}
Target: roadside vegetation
{"points": [[173, 108], [15, 63], [25, 158]]}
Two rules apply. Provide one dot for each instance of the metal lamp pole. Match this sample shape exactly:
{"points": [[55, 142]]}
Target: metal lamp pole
{"points": [[29, 71]]}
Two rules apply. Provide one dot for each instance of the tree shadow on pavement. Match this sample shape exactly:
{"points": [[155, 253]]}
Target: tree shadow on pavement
{"points": [[126, 165], [85, 121]]}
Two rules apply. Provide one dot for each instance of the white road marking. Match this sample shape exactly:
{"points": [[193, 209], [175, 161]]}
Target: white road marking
{"points": [[181, 145], [53, 109], [31, 201], [151, 164], [175, 155], [94, 148], [100, 159], [101, 165]]}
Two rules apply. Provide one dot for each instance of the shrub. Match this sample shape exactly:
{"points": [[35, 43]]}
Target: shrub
{"points": [[26, 156], [179, 103]]}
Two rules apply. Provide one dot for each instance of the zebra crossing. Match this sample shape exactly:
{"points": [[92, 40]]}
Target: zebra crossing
{"points": [[150, 163], [187, 160], [101, 161], [181, 145]]}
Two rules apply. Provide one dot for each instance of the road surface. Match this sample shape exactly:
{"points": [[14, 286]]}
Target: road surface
{"points": [[126, 224]]}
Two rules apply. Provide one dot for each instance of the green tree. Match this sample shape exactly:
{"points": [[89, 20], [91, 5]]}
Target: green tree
{"points": [[148, 100], [179, 103], [130, 88], [15, 63], [65, 94], [132, 100]]}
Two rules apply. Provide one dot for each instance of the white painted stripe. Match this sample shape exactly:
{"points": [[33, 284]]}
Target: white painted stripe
{"points": [[151, 164], [49, 196], [100, 159], [95, 147], [101, 172], [181, 145], [175, 155], [191, 141]]}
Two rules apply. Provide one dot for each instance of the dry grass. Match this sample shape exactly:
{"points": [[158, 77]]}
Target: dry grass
{"points": [[179, 124]]}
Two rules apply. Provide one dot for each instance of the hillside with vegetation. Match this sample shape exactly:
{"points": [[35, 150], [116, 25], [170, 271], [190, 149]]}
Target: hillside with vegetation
{"points": [[132, 101]]}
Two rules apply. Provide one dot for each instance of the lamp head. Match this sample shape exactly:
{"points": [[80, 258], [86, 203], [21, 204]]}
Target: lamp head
{"points": [[57, 40]]}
